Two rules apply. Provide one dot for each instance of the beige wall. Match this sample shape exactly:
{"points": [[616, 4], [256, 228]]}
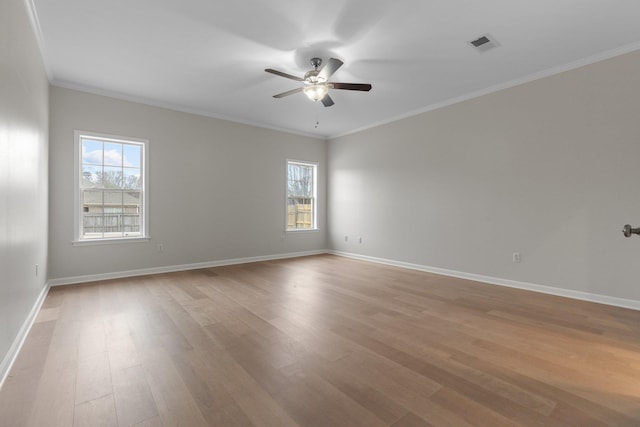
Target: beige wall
{"points": [[550, 169], [217, 188], [23, 174]]}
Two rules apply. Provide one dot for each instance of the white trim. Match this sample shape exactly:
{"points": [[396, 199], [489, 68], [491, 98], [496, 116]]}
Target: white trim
{"points": [[182, 109], [119, 240], [515, 82], [37, 31], [602, 56], [316, 166], [174, 268], [77, 212], [18, 342], [578, 295]]}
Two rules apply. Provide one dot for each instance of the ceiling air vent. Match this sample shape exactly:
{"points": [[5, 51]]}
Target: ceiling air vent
{"points": [[484, 43]]}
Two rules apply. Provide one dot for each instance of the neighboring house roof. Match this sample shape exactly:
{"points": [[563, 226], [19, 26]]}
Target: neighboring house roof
{"points": [[95, 198]]}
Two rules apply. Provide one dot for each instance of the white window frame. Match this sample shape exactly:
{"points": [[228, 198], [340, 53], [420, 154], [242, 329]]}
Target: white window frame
{"points": [[78, 205], [315, 196]]}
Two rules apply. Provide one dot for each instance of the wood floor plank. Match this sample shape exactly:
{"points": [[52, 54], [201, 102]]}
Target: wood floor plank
{"points": [[322, 340], [470, 410], [448, 372], [93, 379], [368, 397], [322, 404], [583, 408], [17, 394], [217, 406], [592, 384], [54, 397], [151, 422], [411, 420], [100, 412], [175, 404], [122, 353], [258, 405], [133, 399]]}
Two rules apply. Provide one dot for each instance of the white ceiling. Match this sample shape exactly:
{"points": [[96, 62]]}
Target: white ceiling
{"points": [[208, 56]]}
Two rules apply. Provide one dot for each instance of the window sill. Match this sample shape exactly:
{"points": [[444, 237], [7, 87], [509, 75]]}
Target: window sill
{"points": [[302, 230], [110, 241]]}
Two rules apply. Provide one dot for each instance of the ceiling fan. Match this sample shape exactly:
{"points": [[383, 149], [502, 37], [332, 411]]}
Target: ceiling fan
{"points": [[316, 82]]}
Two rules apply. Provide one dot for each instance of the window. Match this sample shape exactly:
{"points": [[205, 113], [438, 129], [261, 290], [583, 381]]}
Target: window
{"points": [[111, 188], [301, 195]]}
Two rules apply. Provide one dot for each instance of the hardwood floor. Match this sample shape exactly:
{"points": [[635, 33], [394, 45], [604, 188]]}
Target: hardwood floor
{"points": [[322, 341]]}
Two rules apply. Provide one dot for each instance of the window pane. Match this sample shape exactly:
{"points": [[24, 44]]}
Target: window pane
{"points": [[112, 214], [92, 209], [91, 151], [132, 178], [300, 180], [112, 154], [300, 213], [92, 198], [112, 198], [111, 184], [131, 201], [301, 209], [91, 176], [132, 155], [112, 177], [131, 218]]}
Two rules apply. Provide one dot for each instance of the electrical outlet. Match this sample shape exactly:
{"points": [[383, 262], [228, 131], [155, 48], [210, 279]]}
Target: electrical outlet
{"points": [[346, 238], [160, 247], [359, 239], [516, 257], [36, 270]]}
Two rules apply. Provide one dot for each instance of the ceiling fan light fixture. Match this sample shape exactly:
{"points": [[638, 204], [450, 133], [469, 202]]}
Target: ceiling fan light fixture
{"points": [[316, 91], [316, 83]]}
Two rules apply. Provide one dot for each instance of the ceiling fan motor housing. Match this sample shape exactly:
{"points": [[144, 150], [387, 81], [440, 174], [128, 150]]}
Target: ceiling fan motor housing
{"points": [[311, 77], [316, 62]]}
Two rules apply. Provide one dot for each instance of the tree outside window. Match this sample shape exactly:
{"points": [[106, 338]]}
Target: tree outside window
{"points": [[301, 195]]}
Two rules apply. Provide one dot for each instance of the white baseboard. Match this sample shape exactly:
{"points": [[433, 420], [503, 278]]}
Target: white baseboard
{"points": [[174, 268], [18, 342], [584, 296], [579, 295]]}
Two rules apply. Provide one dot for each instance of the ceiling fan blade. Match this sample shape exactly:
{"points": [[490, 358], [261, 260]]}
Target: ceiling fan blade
{"points": [[327, 101], [287, 93], [285, 75], [329, 68], [351, 86]]}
